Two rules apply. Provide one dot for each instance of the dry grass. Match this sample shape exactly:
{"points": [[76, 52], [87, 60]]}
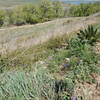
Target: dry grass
{"points": [[25, 36]]}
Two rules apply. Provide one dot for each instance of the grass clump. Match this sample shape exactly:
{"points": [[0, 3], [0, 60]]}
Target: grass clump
{"points": [[19, 85]]}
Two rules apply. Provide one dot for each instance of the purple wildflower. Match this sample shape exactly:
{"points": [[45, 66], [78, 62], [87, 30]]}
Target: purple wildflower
{"points": [[73, 98]]}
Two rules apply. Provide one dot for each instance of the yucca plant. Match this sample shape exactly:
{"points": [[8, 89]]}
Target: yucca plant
{"points": [[89, 35]]}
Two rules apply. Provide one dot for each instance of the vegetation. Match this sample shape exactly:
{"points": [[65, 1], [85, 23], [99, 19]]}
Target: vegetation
{"points": [[2, 14], [25, 84], [89, 35], [84, 9], [53, 69], [46, 10], [31, 14]]}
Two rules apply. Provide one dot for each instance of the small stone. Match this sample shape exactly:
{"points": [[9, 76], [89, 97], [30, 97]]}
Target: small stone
{"points": [[67, 59]]}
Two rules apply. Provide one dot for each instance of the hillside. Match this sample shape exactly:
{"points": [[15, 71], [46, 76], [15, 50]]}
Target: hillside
{"points": [[49, 53], [49, 61], [11, 3], [28, 35]]}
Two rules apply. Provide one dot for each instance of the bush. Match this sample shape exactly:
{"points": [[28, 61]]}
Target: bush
{"points": [[2, 16], [32, 13], [47, 10], [82, 52], [58, 8], [17, 16], [84, 10]]}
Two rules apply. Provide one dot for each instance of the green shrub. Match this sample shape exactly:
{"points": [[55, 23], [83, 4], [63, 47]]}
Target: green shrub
{"points": [[47, 10], [75, 47], [2, 16], [81, 51], [32, 13], [17, 16], [58, 8], [84, 9], [89, 35]]}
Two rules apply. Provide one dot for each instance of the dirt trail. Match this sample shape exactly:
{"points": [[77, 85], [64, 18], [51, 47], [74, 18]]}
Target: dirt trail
{"points": [[63, 28]]}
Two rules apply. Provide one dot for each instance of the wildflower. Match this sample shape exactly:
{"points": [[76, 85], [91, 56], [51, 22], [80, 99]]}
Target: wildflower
{"points": [[73, 98]]}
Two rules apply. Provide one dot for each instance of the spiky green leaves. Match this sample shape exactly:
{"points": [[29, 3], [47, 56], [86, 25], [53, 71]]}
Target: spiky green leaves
{"points": [[89, 35]]}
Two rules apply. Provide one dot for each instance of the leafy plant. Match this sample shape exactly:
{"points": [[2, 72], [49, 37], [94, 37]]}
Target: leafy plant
{"points": [[89, 35], [75, 47]]}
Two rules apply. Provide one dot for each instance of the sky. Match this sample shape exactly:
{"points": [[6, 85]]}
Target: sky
{"points": [[79, 0]]}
